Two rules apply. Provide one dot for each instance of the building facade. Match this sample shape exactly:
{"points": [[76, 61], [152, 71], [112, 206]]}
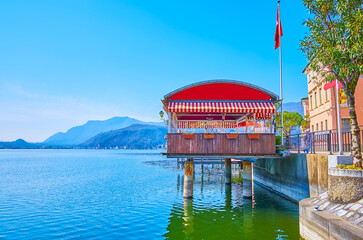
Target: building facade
{"points": [[320, 105]]}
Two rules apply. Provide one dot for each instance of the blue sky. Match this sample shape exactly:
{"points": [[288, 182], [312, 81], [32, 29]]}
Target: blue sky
{"points": [[63, 63]]}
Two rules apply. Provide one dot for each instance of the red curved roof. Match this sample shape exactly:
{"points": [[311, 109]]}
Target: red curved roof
{"points": [[222, 90]]}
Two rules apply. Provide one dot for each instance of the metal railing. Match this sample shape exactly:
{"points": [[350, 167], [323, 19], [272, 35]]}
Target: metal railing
{"points": [[322, 141]]}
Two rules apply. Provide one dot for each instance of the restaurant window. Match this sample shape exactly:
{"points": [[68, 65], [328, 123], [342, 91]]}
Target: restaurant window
{"points": [[316, 100], [321, 96]]}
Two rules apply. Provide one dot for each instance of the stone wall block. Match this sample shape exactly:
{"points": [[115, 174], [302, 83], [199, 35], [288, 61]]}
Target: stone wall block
{"points": [[345, 186]]}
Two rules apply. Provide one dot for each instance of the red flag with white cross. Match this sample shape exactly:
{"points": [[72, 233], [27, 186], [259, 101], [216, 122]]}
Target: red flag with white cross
{"points": [[278, 33]]}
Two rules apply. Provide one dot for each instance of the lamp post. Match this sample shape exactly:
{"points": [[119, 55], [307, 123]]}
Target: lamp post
{"points": [[161, 113]]}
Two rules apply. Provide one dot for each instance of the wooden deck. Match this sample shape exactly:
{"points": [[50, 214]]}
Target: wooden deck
{"points": [[221, 145]]}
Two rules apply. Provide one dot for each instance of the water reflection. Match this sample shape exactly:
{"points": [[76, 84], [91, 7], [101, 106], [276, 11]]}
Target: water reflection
{"points": [[220, 211], [188, 218]]}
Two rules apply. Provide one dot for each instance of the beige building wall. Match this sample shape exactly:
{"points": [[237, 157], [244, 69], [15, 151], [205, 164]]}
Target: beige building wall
{"points": [[322, 104]]}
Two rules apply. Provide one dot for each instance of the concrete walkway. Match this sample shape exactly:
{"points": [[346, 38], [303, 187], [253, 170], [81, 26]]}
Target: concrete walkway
{"points": [[321, 220], [352, 212]]}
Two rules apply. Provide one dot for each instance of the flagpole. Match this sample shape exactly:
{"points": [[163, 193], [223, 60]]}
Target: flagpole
{"points": [[282, 116]]}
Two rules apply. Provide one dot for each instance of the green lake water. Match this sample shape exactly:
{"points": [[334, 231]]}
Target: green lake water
{"points": [[119, 194]]}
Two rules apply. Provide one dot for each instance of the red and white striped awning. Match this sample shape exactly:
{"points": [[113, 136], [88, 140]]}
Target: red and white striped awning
{"points": [[213, 124], [263, 108], [261, 116]]}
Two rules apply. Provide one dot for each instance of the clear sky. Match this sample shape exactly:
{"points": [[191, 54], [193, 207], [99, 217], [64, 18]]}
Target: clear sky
{"points": [[65, 62]]}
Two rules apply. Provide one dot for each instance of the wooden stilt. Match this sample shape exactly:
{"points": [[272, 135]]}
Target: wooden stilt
{"points": [[247, 180], [188, 178]]}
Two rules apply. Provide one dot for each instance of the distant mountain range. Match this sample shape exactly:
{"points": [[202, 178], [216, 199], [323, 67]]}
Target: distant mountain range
{"points": [[19, 144], [117, 132], [80, 134], [136, 136]]}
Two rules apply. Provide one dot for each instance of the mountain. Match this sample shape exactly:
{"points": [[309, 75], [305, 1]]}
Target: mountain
{"points": [[136, 136], [294, 107], [79, 134], [20, 143]]}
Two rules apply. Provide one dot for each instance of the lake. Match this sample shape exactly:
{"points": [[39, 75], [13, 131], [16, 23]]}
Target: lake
{"points": [[130, 194]]}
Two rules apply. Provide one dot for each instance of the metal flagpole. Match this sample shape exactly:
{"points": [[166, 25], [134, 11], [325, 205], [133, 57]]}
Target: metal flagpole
{"points": [[282, 116], [338, 117]]}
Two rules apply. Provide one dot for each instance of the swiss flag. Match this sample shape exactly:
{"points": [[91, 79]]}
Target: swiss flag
{"points": [[278, 33], [332, 84]]}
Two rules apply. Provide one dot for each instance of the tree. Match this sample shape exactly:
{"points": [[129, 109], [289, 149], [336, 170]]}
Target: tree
{"points": [[305, 124], [291, 120], [334, 47]]}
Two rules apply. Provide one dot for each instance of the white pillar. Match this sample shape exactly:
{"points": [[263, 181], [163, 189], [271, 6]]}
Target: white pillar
{"points": [[169, 122], [254, 123], [246, 124]]}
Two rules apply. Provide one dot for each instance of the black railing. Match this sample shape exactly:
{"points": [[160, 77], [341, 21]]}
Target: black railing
{"points": [[322, 141]]}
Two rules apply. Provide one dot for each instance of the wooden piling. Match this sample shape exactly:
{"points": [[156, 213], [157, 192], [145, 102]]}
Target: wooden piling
{"points": [[188, 178], [247, 179]]}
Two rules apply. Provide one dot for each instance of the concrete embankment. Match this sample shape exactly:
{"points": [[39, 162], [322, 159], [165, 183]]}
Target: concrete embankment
{"points": [[305, 178], [297, 177], [286, 175]]}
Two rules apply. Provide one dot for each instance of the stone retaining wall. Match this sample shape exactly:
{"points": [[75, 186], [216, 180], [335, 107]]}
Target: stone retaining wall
{"points": [[345, 186]]}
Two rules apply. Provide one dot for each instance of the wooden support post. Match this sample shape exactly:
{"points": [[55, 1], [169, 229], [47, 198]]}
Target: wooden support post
{"points": [[247, 180], [188, 178], [247, 170], [227, 171], [175, 123], [169, 122], [254, 123], [246, 124]]}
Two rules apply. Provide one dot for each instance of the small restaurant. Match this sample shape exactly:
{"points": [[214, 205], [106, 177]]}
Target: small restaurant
{"points": [[220, 118]]}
